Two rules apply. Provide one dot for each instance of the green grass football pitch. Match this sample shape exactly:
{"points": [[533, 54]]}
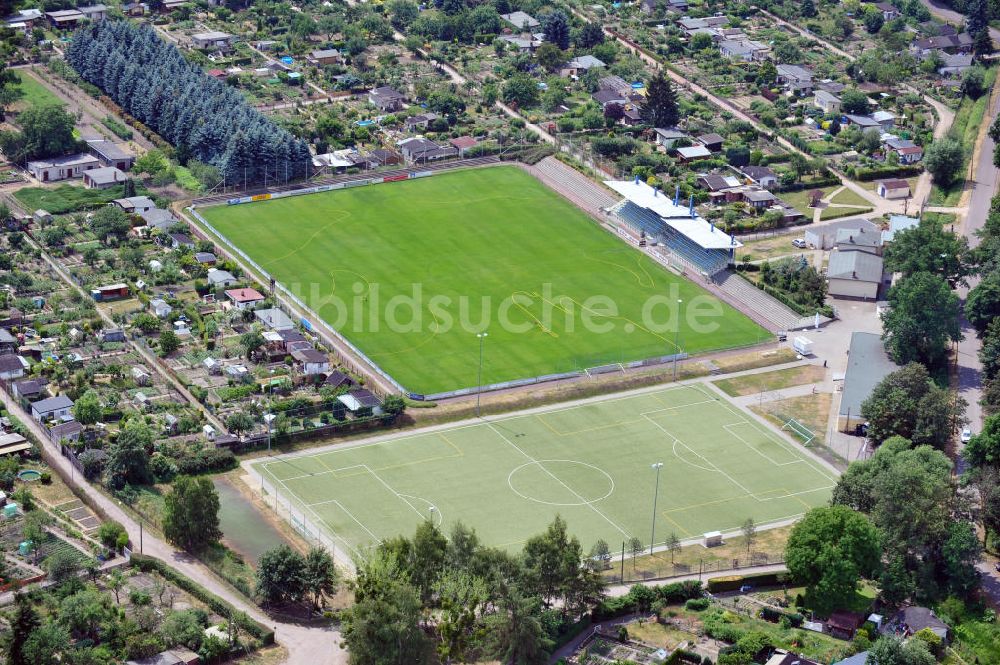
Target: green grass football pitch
{"points": [[473, 240], [589, 462]]}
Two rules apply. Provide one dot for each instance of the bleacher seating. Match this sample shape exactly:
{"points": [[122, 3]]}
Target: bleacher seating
{"points": [[709, 261]]}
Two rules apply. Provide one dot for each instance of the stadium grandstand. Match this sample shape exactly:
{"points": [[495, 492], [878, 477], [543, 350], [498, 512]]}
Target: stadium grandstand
{"points": [[692, 239]]}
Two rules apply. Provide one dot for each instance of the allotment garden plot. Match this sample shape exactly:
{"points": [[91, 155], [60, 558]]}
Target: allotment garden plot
{"points": [[472, 248], [590, 463]]}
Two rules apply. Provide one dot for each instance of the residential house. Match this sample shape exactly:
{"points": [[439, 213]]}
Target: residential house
{"points": [[957, 43], [825, 236], [68, 431], [893, 189], [420, 122], [179, 240], [205, 258], [854, 275], [274, 319], [8, 343], [160, 307], [761, 176], [12, 366], [110, 292], [29, 389], [648, 6], [827, 102], [361, 402], [111, 335], [110, 154], [616, 84], [53, 408], [244, 298], [24, 19], [606, 97], [856, 659], [159, 219], [954, 65], [135, 9], [218, 279], [104, 177], [580, 65], [419, 150], [912, 620], [631, 115], [796, 79], [889, 11], [858, 240], [212, 41], [329, 56], [521, 21], [907, 151], [13, 443], [463, 143], [843, 625], [711, 141], [134, 204], [65, 19], [864, 122], [759, 199], [311, 362], [171, 5], [522, 44], [691, 26], [386, 99], [745, 50], [62, 168], [693, 153], [337, 379], [382, 157], [94, 12], [678, 6], [898, 224], [885, 120], [667, 137]]}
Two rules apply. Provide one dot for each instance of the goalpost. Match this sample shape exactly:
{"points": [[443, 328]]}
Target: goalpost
{"points": [[800, 430], [604, 369]]}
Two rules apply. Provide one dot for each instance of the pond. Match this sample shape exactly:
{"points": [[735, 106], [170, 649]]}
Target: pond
{"points": [[29, 475], [244, 529]]}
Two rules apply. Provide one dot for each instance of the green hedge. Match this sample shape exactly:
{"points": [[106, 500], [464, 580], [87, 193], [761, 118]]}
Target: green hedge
{"points": [[260, 632], [867, 175], [774, 616], [734, 582]]}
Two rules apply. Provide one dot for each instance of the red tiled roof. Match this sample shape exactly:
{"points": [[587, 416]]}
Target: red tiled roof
{"points": [[244, 295]]}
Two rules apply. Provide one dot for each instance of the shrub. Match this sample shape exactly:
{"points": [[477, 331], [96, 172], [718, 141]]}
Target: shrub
{"points": [[697, 604]]}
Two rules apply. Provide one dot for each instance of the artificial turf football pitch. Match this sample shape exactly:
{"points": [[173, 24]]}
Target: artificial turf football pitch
{"points": [[476, 246], [589, 462]]}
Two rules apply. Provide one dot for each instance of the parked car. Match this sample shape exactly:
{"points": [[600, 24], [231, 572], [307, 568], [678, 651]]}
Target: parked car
{"points": [[966, 435], [799, 242]]}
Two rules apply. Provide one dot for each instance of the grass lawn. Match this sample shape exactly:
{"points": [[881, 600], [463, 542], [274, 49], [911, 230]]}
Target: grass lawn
{"points": [[849, 197], [509, 477], [813, 411], [768, 381], [965, 128], [942, 218], [801, 199], [411, 271], [67, 198], [35, 94]]}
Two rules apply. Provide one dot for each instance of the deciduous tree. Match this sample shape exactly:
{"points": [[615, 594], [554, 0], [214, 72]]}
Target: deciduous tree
{"points": [[191, 514]]}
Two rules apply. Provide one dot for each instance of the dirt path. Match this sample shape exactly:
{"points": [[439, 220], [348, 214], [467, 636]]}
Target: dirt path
{"points": [[92, 112]]}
